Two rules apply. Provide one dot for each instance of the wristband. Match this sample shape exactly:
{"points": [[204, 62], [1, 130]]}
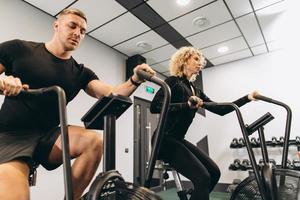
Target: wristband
{"points": [[134, 83]]}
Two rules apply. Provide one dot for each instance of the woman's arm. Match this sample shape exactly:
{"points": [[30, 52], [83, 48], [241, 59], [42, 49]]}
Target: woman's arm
{"points": [[223, 110]]}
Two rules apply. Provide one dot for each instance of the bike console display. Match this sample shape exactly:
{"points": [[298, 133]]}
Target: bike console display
{"points": [[113, 105]]}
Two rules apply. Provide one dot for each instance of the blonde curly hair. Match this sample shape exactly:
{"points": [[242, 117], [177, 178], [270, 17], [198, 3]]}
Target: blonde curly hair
{"points": [[181, 56]]}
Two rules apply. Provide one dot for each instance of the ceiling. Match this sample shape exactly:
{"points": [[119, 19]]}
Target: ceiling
{"points": [[247, 27]]}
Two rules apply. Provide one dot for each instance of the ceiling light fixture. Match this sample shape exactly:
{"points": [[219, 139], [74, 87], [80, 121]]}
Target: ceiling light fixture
{"points": [[223, 49], [183, 2], [200, 21], [144, 45]]}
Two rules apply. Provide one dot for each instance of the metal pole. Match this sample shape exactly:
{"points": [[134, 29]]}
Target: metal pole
{"points": [[109, 137], [64, 140], [65, 143], [263, 145]]}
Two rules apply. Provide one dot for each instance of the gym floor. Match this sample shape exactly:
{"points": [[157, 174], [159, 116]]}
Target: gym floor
{"points": [[171, 194]]}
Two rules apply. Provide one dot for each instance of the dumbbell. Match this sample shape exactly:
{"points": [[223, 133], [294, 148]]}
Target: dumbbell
{"points": [[281, 141], [234, 143], [241, 142], [245, 165], [253, 142], [235, 165], [296, 141], [296, 164], [274, 141], [258, 142], [289, 164]]}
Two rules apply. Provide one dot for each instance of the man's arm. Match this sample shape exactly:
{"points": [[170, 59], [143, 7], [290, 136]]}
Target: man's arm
{"points": [[97, 88]]}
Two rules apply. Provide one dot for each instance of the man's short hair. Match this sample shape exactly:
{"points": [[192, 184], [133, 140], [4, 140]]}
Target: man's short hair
{"points": [[74, 11]]}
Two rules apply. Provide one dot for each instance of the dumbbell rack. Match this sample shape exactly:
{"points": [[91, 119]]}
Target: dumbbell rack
{"points": [[242, 165], [240, 143]]}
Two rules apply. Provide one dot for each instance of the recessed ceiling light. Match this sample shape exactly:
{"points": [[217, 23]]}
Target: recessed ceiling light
{"points": [[223, 49], [144, 45], [200, 21], [183, 2]]}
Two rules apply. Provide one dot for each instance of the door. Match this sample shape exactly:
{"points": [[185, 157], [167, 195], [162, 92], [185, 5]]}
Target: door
{"points": [[145, 124]]}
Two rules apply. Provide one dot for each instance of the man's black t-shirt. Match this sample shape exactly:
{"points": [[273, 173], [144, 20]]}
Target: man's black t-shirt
{"points": [[37, 67]]}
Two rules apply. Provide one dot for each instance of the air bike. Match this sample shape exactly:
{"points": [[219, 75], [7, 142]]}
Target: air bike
{"points": [[103, 114], [269, 183], [109, 184]]}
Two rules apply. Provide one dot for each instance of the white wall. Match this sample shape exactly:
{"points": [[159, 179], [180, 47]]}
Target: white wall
{"points": [[273, 74]]}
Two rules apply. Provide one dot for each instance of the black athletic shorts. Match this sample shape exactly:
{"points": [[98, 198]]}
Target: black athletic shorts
{"points": [[30, 146]]}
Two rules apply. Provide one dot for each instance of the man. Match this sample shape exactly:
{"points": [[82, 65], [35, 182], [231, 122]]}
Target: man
{"points": [[29, 125]]}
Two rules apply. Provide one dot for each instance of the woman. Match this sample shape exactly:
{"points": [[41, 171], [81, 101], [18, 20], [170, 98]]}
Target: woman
{"points": [[182, 155]]}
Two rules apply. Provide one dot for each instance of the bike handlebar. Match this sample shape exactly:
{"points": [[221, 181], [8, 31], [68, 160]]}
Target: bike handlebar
{"points": [[161, 122], [287, 126], [272, 101], [64, 132]]}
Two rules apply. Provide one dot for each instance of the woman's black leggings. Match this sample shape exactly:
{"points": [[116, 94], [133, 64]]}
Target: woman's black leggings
{"points": [[192, 163]]}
